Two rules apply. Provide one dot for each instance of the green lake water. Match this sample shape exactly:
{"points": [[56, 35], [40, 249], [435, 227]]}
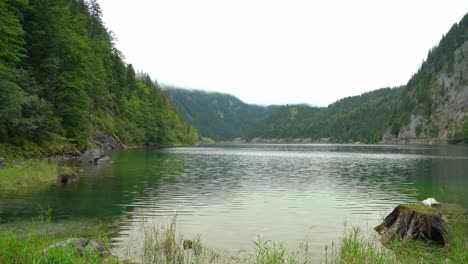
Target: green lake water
{"points": [[231, 194]]}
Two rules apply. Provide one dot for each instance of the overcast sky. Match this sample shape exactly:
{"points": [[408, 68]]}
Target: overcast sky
{"points": [[280, 52]]}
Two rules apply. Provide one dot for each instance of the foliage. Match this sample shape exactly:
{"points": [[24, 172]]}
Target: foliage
{"points": [[218, 116], [28, 248], [23, 174], [365, 118], [358, 118], [354, 248], [162, 244], [62, 78], [417, 96], [461, 136]]}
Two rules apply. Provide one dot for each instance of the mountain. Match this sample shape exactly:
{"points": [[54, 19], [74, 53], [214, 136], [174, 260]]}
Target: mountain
{"points": [[434, 104], [218, 116], [64, 87], [431, 108], [357, 118]]}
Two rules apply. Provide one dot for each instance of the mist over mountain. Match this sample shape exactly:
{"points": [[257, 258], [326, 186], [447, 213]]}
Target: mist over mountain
{"points": [[218, 116]]}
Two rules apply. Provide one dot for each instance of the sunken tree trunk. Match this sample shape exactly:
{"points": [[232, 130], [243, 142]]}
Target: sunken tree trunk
{"points": [[414, 221]]}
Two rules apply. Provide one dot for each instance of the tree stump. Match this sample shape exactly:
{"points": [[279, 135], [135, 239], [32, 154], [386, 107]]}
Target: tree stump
{"points": [[414, 221]]}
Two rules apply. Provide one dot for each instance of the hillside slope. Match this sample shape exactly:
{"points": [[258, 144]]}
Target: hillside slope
{"points": [[221, 117], [64, 86], [357, 118], [434, 104], [431, 108]]}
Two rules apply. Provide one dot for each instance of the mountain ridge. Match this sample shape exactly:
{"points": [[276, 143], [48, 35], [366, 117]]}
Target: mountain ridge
{"points": [[431, 108], [216, 115]]}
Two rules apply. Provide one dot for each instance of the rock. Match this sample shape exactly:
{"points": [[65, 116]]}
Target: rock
{"points": [[431, 202], [104, 159], [77, 243], [81, 245], [414, 221], [99, 248], [95, 156], [106, 141], [92, 155], [2, 165], [66, 179], [448, 94]]}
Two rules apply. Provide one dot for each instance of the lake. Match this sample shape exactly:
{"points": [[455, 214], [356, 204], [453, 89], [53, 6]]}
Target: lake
{"points": [[231, 194]]}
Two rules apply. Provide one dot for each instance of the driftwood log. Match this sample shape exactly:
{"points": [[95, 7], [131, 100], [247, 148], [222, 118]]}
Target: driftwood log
{"points": [[415, 221]]}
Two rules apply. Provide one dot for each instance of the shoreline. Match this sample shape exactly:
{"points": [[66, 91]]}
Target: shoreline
{"points": [[163, 244]]}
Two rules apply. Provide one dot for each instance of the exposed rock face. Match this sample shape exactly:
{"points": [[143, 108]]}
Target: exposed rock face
{"points": [[95, 156], [106, 141], [449, 96], [91, 156]]}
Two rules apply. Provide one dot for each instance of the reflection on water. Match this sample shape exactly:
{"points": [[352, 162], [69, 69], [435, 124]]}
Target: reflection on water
{"points": [[230, 194]]}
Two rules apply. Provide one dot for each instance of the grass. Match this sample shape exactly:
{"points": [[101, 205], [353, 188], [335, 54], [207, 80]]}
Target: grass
{"points": [[16, 249], [162, 244], [27, 245], [355, 248], [22, 174]]}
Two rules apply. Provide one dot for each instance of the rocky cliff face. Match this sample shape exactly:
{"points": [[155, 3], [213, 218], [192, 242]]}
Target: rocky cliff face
{"points": [[448, 92]]}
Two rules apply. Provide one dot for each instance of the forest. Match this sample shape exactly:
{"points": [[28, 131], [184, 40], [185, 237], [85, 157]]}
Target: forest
{"points": [[357, 118], [218, 116], [366, 117], [62, 80]]}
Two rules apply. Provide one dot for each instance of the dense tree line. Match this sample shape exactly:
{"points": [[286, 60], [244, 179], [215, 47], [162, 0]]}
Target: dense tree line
{"points": [[62, 79], [218, 116], [364, 118], [357, 118], [417, 95]]}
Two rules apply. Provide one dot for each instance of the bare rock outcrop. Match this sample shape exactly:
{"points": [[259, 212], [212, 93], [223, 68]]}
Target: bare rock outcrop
{"points": [[448, 93]]}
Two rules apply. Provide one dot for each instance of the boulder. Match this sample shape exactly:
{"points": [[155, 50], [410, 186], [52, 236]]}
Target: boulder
{"points": [[75, 243], [99, 248], [414, 221], [95, 156], [92, 155], [2, 165], [81, 245], [104, 159]]}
